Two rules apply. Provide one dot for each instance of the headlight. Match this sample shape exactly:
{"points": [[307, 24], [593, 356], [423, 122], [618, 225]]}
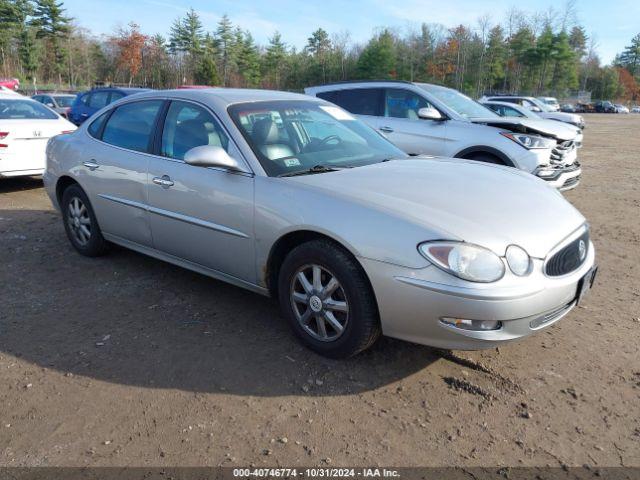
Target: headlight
{"points": [[518, 260], [464, 260], [529, 141]]}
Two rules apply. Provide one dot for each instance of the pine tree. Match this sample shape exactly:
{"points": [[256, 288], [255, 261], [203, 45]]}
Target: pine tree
{"points": [[274, 59], [378, 59], [319, 47], [206, 71], [53, 26], [28, 52], [630, 57], [225, 41], [496, 57], [248, 60]]}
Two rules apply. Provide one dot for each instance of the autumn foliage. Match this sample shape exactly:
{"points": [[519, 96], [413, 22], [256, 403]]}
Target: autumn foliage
{"points": [[130, 45], [629, 83]]}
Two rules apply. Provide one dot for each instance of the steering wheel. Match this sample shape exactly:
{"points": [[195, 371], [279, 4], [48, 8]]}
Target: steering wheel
{"points": [[330, 138]]}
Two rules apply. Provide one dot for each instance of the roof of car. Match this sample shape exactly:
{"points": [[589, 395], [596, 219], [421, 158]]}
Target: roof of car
{"points": [[12, 96], [227, 96], [127, 90]]}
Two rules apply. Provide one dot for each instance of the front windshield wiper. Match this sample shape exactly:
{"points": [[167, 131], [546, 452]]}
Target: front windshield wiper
{"points": [[312, 170]]}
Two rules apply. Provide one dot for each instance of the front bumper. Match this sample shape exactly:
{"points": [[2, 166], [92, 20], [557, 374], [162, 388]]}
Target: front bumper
{"points": [[413, 301], [561, 177]]}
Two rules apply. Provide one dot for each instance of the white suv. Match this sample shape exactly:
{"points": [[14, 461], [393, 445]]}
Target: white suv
{"points": [[428, 119]]}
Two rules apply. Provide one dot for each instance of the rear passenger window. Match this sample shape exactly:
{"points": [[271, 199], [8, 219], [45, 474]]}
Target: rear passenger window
{"points": [[98, 99], [96, 126], [116, 96], [188, 126], [131, 125], [360, 101]]}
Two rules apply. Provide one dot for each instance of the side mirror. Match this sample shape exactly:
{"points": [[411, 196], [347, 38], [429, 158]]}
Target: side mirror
{"points": [[49, 104], [211, 156], [535, 109], [429, 113]]}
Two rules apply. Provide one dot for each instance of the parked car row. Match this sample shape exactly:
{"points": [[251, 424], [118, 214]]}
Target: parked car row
{"points": [[353, 229], [598, 107], [429, 119]]}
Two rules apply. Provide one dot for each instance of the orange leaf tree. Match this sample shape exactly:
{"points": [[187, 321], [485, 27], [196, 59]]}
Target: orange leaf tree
{"points": [[130, 44]]}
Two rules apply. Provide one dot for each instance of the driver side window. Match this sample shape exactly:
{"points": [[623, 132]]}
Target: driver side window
{"points": [[405, 104], [187, 126]]}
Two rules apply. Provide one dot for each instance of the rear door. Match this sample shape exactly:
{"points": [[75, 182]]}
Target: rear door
{"points": [[203, 215], [114, 169], [366, 103]]}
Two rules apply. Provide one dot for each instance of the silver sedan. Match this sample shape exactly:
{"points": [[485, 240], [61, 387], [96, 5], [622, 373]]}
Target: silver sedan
{"points": [[292, 197]]}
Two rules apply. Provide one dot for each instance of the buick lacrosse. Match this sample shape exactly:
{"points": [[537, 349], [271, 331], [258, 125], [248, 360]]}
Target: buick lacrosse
{"points": [[292, 197]]}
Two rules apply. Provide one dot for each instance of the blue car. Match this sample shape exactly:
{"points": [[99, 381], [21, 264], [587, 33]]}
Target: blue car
{"points": [[89, 102]]}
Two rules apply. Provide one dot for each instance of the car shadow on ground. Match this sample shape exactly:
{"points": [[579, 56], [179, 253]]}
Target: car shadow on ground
{"points": [[130, 319], [14, 184]]}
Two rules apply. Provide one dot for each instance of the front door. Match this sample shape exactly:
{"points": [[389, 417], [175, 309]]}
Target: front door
{"points": [[402, 126], [202, 215]]}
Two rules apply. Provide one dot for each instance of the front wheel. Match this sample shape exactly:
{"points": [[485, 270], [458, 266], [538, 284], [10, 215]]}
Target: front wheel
{"points": [[327, 299], [81, 224]]}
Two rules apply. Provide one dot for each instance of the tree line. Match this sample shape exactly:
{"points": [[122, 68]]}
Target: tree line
{"points": [[534, 53]]}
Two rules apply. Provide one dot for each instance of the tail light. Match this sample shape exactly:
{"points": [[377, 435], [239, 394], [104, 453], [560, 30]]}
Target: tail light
{"points": [[66, 131], [3, 135]]}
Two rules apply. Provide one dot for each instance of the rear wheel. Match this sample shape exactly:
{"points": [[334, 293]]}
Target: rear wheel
{"points": [[80, 223], [327, 299]]}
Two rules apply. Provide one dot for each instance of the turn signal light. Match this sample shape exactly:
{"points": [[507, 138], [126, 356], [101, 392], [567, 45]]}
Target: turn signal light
{"points": [[3, 135], [477, 325]]}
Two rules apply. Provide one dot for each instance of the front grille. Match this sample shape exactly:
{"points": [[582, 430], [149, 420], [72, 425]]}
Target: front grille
{"points": [[561, 150], [569, 258]]}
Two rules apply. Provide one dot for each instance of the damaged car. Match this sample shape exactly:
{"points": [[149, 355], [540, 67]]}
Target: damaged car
{"points": [[425, 119]]}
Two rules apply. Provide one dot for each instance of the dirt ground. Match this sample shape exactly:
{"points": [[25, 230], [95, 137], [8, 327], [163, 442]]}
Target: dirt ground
{"points": [[125, 360]]}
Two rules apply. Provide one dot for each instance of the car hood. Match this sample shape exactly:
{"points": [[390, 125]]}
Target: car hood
{"points": [[529, 125], [561, 116], [484, 204]]}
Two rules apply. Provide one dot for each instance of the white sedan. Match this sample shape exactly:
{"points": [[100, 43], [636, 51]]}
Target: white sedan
{"points": [[25, 128]]}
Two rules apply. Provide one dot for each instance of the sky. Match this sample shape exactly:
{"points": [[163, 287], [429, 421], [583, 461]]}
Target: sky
{"points": [[613, 23]]}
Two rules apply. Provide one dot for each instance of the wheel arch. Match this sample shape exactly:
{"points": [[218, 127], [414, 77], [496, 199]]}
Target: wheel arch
{"points": [[62, 184], [468, 152], [288, 242]]}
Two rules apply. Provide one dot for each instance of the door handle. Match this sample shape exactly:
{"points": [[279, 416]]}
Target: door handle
{"points": [[84, 114], [386, 129], [163, 181], [91, 165]]}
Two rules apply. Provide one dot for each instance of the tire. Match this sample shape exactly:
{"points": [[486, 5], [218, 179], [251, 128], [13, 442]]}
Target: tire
{"points": [[78, 218], [360, 323], [485, 158]]}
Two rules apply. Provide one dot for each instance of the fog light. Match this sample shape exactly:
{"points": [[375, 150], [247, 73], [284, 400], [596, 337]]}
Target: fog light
{"points": [[478, 325], [546, 173]]}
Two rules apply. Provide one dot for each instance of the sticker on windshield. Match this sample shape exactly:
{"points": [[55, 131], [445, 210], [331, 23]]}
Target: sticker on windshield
{"points": [[292, 162], [337, 113]]}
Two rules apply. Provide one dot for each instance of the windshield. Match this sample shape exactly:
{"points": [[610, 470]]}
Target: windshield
{"points": [[541, 105], [24, 109], [459, 103], [65, 101], [295, 136]]}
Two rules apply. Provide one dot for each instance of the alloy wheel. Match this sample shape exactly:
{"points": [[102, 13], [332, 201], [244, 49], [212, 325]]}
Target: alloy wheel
{"points": [[319, 303], [79, 221]]}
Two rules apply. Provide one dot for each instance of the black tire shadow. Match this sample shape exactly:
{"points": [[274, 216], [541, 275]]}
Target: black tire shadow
{"points": [[14, 184], [127, 318]]}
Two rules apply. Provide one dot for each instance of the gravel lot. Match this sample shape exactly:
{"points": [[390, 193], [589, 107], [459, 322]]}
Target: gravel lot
{"points": [[125, 360]]}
